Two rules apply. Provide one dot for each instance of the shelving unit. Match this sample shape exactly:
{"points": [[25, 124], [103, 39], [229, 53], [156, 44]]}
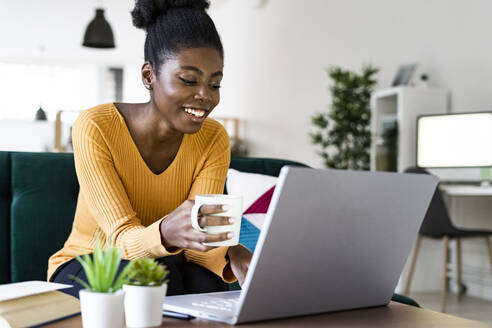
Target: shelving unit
{"points": [[403, 105]]}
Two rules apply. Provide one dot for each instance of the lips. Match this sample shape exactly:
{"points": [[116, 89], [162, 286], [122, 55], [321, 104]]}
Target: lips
{"points": [[196, 114]]}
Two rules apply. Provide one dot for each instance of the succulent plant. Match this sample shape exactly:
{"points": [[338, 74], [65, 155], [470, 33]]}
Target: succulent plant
{"points": [[146, 272], [101, 269]]}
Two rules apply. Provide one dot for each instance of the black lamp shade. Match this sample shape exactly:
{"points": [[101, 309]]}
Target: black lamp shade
{"points": [[40, 115], [98, 33]]}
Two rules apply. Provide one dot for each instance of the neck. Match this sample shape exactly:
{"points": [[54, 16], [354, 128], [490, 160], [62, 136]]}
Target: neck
{"points": [[154, 127]]}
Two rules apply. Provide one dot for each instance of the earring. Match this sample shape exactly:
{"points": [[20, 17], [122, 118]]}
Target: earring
{"points": [[148, 86]]}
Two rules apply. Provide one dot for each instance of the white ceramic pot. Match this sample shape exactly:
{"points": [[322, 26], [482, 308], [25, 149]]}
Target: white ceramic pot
{"points": [[143, 305], [101, 310]]}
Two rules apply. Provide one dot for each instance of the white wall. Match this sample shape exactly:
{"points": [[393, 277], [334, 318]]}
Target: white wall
{"points": [[275, 58]]}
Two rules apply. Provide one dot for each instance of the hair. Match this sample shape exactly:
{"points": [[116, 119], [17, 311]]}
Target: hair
{"points": [[173, 25]]}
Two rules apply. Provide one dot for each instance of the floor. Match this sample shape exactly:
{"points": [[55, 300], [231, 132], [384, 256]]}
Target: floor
{"points": [[468, 307]]}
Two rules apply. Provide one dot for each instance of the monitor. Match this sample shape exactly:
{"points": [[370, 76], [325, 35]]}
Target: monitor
{"points": [[454, 140]]}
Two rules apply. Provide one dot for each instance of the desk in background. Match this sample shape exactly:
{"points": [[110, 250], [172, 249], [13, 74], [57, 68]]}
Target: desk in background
{"points": [[466, 190], [393, 315]]}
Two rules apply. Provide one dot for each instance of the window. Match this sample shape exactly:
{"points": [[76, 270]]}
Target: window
{"points": [[24, 87]]}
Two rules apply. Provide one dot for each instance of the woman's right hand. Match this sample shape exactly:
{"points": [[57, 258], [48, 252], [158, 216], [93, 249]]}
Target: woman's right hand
{"points": [[177, 231]]}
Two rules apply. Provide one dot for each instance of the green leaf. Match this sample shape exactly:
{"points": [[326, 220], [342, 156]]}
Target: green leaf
{"points": [[346, 124], [102, 268], [147, 272], [80, 281], [87, 264], [123, 277]]}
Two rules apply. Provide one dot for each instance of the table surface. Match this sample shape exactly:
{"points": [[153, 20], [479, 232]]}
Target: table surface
{"points": [[466, 190], [393, 315]]}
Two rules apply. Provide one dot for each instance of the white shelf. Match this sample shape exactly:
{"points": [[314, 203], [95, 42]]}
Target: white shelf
{"points": [[405, 104]]}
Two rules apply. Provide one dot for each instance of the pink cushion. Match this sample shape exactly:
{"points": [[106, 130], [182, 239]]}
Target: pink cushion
{"points": [[256, 212], [261, 204]]}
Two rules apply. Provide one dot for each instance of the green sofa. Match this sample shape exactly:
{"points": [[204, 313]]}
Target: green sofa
{"points": [[38, 195]]}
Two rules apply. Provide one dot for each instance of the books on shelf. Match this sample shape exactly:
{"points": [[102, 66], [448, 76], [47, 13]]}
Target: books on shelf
{"points": [[31, 303]]}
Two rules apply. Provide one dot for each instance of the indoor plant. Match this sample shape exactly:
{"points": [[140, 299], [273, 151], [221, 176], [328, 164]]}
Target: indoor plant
{"points": [[343, 132], [145, 291], [101, 301]]}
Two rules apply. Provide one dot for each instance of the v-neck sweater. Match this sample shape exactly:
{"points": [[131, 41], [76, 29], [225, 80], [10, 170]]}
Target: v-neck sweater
{"points": [[122, 199]]}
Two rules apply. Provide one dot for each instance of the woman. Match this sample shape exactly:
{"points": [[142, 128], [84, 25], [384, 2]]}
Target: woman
{"points": [[139, 166]]}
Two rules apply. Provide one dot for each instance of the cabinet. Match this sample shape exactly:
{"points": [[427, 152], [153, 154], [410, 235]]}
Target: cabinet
{"points": [[401, 105]]}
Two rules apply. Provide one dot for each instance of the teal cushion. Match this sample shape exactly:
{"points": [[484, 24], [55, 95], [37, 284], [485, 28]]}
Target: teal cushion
{"points": [[44, 192], [5, 199], [248, 235]]}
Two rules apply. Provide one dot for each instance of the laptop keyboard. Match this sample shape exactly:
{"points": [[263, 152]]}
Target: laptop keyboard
{"points": [[217, 303]]}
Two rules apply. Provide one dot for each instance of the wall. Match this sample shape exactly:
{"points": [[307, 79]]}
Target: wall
{"points": [[276, 56], [29, 136]]}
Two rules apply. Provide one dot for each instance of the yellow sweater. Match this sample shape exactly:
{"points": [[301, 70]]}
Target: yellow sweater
{"points": [[121, 197]]}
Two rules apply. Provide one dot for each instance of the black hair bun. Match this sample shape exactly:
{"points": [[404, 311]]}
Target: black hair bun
{"points": [[146, 12]]}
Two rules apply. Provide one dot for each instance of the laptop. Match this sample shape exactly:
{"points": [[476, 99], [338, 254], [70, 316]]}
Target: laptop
{"points": [[332, 240]]}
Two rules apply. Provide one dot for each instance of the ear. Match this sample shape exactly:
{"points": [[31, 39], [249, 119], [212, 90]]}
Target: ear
{"points": [[148, 77]]}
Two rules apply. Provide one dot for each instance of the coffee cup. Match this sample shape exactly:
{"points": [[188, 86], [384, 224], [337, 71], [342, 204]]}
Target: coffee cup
{"points": [[235, 211]]}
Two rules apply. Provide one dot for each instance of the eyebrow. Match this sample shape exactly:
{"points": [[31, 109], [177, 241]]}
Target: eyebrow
{"points": [[193, 68]]}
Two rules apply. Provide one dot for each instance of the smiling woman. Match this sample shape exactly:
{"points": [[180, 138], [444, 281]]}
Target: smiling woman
{"points": [[189, 84], [140, 166]]}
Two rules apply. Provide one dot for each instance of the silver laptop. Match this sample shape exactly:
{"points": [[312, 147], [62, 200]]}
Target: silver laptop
{"points": [[332, 240]]}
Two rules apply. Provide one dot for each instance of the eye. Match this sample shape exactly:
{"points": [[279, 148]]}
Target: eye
{"points": [[215, 86], [186, 81]]}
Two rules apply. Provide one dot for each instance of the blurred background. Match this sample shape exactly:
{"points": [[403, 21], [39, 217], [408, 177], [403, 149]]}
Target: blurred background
{"points": [[276, 53]]}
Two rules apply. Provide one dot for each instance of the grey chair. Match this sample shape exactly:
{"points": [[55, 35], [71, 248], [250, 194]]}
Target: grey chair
{"points": [[437, 225]]}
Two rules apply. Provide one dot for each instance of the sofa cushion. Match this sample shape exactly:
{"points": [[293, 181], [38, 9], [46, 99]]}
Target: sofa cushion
{"points": [[269, 166], [44, 196], [249, 234], [5, 198], [248, 185]]}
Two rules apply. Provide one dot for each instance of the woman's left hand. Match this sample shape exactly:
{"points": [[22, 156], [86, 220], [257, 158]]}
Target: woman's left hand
{"points": [[239, 257]]}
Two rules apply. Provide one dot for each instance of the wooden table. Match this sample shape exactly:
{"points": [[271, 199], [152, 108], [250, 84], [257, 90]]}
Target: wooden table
{"points": [[393, 315]]}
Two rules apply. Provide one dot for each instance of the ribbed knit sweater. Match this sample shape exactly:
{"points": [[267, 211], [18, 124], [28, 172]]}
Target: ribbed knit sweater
{"points": [[120, 197]]}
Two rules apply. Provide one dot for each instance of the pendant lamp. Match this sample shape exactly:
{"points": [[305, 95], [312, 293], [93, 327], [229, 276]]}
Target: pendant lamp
{"points": [[40, 115], [98, 33]]}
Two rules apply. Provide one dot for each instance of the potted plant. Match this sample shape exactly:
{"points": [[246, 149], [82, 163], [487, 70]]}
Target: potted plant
{"points": [[145, 291], [101, 302], [343, 133]]}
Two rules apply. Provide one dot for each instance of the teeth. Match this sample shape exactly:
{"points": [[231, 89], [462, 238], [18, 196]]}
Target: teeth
{"points": [[197, 113]]}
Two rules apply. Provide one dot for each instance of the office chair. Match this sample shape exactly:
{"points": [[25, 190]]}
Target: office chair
{"points": [[438, 225]]}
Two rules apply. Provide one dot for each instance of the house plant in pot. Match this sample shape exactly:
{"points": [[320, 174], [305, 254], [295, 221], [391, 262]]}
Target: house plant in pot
{"points": [[101, 302], [145, 291], [343, 132]]}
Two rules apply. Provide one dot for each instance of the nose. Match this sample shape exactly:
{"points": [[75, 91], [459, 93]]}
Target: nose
{"points": [[203, 94]]}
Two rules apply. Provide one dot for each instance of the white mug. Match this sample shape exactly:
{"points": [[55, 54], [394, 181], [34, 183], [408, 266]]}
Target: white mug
{"points": [[235, 211]]}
